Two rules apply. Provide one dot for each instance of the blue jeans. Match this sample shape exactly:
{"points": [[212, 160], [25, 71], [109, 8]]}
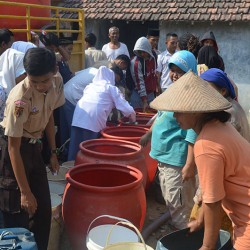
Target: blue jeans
{"points": [[135, 99], [79, 135], [66, 116]]}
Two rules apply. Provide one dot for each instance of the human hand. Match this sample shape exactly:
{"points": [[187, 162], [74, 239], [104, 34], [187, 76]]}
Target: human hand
{"points": [[49, 39], [145, 139], [34, 38], [54, 40], [188, 172], [194, 226], [132, 117], [54, 165], [145, 106], [28, 202], [158, 91]]}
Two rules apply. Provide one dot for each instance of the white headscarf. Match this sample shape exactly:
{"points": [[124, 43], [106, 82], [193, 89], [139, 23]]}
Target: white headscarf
{"points": [[23, 46], [104, 76], [11, 66]]}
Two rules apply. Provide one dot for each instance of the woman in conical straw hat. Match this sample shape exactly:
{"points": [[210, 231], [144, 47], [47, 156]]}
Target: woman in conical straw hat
{"points": [[219, 80], [222, 157], [172, 147]]}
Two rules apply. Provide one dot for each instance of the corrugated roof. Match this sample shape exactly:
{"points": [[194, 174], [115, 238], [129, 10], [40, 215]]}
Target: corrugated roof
{"points": [[165, 10]]}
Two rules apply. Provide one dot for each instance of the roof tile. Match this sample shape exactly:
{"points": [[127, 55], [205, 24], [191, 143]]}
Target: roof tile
{"points": [[245, 17], [205, 17], [219, 4], [172, 10], [155, 10], [199, 4], [209, 4]]}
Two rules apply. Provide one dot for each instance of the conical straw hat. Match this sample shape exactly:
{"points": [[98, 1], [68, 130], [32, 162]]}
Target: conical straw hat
{"points": [[190, 94]]}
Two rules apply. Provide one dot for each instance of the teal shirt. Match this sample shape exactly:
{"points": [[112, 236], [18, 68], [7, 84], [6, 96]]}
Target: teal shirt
{"points": [[169, 143]]}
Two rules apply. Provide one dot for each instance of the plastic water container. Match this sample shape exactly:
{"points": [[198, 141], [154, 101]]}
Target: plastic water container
{"points": [[97, 236], [17, 238], [183, 240]]}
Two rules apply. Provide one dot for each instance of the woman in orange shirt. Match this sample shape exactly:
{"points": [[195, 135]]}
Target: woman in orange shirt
{"points": [[222, 157]]}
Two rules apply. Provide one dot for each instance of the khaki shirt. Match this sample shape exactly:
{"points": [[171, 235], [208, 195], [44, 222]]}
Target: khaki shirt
{"points": [[27, 111], [92, 56]]}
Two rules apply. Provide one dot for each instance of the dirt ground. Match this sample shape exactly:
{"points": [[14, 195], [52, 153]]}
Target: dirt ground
{"points": [[154, 211]]}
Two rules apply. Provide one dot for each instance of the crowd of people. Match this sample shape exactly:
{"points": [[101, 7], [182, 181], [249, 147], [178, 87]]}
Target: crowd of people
{"points": [[200, 135]]}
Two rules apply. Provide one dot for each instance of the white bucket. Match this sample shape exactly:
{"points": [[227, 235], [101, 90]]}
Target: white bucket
{"points": [[56, 226], [97, 236]]}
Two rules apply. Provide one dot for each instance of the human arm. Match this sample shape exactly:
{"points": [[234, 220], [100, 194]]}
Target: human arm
{"points": [[53, 40], [122, 104], [34, 38], [50, 134], [146, 138], [64, 53], [159, 90], [28, 201], [159, 73], [212, 216], [137, 74], [188, 171]]}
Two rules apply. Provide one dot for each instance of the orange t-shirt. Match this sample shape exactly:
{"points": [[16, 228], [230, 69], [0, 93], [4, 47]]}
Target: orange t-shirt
{"points": [[222, 157]]}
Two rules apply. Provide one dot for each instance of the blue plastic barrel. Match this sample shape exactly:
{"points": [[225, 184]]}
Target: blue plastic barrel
{"points": [[17, 238]]}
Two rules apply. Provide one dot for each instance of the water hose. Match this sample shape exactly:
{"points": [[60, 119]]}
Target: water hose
{"points": [[155, 225]]}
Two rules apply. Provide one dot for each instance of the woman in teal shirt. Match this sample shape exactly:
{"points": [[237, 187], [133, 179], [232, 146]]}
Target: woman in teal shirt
{"points": [[172, 147]]}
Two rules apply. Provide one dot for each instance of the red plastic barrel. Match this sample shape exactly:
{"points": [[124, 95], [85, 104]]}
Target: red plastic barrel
{"points": [[97, 189], [133, 134], [150, 112], [11, 23], [112, 151], [141, 121]]}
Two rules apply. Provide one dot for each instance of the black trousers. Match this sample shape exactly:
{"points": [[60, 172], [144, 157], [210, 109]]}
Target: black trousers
{"points": [[37, 178]]}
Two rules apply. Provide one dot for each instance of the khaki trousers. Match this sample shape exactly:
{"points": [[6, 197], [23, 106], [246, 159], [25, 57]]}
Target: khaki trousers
{"points": [[178, 195]]}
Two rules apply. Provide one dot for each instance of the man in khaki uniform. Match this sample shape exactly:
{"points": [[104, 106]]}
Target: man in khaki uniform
{"points": [[92, 55], [24, 190]]}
